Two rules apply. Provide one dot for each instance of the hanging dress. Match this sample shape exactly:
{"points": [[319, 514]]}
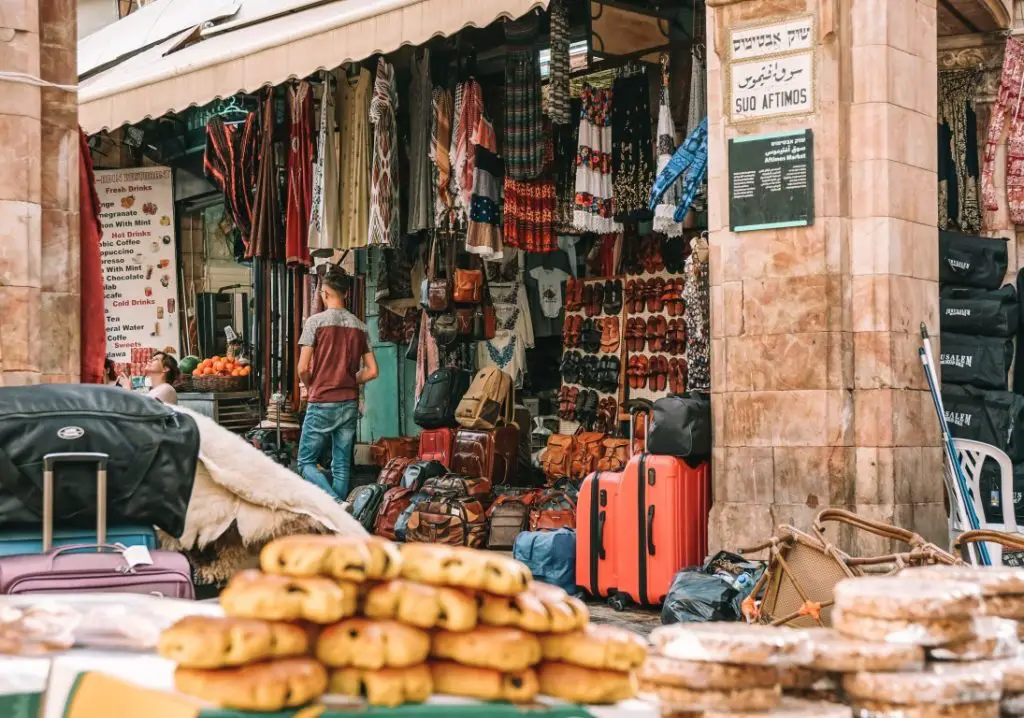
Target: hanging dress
{"points": [[229, 162], [266, 242], [523, 145], [483, 234], [325, 212], [696, 315], [632, 151], [664, 221], [384, 219], [565, 139], [300, 173], [594, 211], [353, 115], [529, 211], [421, 203]]}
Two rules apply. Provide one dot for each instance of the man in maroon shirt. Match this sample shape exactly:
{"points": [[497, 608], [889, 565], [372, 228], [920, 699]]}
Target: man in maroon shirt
{"points": [[334, 361]]}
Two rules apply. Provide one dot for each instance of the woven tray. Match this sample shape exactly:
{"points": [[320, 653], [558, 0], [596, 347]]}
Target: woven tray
{"points": [[220, 383]]}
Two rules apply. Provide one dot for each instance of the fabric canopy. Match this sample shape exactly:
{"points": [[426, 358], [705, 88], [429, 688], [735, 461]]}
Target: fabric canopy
{"points": [[210, 62]]}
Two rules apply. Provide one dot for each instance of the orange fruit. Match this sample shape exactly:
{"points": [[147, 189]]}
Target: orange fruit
{"points": [[236, 372], [215, 358], [245, 370], [218, 365]]}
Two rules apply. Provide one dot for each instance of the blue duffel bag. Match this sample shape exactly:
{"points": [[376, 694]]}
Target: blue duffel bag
{"points": [[550, 556]]}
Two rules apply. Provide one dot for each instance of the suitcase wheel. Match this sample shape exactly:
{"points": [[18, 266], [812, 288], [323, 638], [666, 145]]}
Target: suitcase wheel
{"points": [[619, 601]]}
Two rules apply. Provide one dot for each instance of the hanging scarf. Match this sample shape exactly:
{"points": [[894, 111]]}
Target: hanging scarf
{"points": [[690, 164], [266, 212], [483, 235], [440, 145], [384, 208], [325, 212], [523, 145], [1009, 101], [300, 174], [470, 112], [558, 78], [421, 176], [664, 211], [230, 164]]}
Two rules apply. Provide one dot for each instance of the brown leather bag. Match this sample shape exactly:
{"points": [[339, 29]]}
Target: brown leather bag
{"points": [[614, 455], [457, 486], [439, 289], [395, 501], [554, 510], [469, 284], [556, 461], [392, 473], [384, 450], [586, 453], [508, 517], [490, 454], [465, 318], [447, 520]]}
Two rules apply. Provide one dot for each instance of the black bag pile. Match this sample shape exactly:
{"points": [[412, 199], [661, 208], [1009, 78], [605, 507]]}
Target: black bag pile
{"points": [[980, 323]]}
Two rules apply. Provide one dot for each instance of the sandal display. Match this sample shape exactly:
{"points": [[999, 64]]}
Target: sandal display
{"points": [[613, 297]]}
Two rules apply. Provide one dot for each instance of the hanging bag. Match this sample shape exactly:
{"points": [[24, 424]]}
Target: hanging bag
{"points": [[983, 362], [439, 290], [681, 425], [968, 261], [979, 312], [468, 286], [991, 417]]}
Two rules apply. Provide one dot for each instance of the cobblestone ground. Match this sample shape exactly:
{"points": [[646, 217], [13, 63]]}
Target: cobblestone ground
{"points": [[638, 620]]}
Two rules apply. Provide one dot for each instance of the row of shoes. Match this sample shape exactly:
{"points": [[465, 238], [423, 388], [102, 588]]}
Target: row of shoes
{"points": [[657, 373], [658, 333], [593, 298], [591, 335], [584, 406], [590, 371], [654, 253], [654, 295]]}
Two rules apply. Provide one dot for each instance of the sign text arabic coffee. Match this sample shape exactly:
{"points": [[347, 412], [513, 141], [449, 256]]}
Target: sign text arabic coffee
{"points": [[771, 181], [771, 70]]}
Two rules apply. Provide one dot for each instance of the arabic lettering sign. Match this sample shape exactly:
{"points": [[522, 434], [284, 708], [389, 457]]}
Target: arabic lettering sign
{"points": [[140, 286], [771, 181], [767, 88], [787, 36]]}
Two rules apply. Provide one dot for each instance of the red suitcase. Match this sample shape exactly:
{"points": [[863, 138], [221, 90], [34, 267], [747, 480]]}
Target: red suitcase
{"points": [[595, 544], [436, 445], [487, 454]]}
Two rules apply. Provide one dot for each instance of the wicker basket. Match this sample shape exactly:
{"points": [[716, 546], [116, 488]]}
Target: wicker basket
{"points": [[220, 383]]}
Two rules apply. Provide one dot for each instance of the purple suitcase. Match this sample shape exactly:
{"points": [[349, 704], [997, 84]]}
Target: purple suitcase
{"points": [[91, 568]]}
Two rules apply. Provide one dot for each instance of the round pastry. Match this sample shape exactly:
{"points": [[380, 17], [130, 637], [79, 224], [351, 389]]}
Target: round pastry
{"points": [[1012, 670], [836, 653], [584, 685], [993, 580], [907, 598], [675, 698], [879, 709], [920, 632], [700, 676], [421, 605], [364, 643], [464, 568], [484, 684], [793, 708], [956, 685], [345, 558], [1005, 606], [251, 594], [600, 647], [503, 649], [265, 687], [212, 642], [541, 609], [799, 678], [995, 638], [389, 687], [734, 643]]}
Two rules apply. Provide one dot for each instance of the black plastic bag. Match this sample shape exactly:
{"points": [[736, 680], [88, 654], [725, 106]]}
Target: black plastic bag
{"points": [[713, 592]]}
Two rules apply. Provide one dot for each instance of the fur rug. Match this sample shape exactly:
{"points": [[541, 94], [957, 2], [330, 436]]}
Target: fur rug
{"points": [[241, 500]]}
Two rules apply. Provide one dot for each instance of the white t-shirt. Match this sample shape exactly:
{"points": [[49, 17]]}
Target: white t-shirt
{"points": [[165, 393], [549, 284]]}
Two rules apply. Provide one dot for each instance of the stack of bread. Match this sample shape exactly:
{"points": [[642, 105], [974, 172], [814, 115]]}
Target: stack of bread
{"points": [[361, 617]]}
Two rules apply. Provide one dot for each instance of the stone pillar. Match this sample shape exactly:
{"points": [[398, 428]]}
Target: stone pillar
{"points": [[818, 395], [39, 255]]}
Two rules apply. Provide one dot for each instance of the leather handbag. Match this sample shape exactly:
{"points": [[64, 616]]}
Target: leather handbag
{"points": [[614, 454], [554, 510], [392, 473], [508, 517], [458, 486], [556, 461], [439, 289], [448, 520], [466, 320], [586, 453], [384, 450], [469, 285], [445, 328]]}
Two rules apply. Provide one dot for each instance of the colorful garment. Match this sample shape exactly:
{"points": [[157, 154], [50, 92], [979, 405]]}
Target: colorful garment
{"points": [[440, 155], [664, 211], [421, 176], [632, 151], [353, 116], [325, 209], [266, 207], [523, 144], [483, 235], [697, 317], [469, 109], [559, 111], [688, 165], [230, 164], [530, 215], [384, 208], [1008, 99], [594, 210], [300, 174], [959, 208], [565, 139]]}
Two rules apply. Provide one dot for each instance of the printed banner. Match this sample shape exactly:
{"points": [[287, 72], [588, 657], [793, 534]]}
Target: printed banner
{"points": [[140, 285]]}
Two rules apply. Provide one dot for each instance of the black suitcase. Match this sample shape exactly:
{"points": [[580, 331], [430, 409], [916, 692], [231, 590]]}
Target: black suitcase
{"points": [[154, 451], [968, 261], [991, 417], [979, 312], [983, 362]]}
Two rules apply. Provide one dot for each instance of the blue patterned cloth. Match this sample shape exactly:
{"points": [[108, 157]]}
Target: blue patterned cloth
{"points": [[689, 164]]}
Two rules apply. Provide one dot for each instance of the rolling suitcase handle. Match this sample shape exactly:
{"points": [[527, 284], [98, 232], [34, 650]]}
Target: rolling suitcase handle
{"points": [[50, 462], [634, 407]]}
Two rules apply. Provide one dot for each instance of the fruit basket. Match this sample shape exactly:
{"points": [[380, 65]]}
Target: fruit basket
{"points": [[218, 383]]}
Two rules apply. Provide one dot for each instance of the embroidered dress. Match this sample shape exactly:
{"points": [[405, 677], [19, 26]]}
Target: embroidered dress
{"points": [[632, 153], [664, 220], [958, 152], [300, 174], [696, 315], [421, 110], [353, 114], [559, 111], [266, 241], [1008, 100], [384, 209], [325, 212], [594, 210], [565, 139], [523, 145]]}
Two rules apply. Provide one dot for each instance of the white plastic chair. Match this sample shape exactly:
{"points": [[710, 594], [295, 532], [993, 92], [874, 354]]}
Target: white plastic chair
{"points": [[971, 456]]}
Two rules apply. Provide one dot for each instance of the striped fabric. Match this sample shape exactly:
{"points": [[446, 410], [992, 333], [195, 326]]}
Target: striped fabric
{"points": [[384, 208], [230, 164]]}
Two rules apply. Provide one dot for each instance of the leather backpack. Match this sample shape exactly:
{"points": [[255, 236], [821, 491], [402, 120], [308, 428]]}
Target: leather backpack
{"points": [[556, 461], [392, 473], [395, 501], [614, 455], [364, 502], [554, 510], [458, 487], [384, 450], [417, 473], [448, 520], [488, 401], [508, 517], [585, 454]]}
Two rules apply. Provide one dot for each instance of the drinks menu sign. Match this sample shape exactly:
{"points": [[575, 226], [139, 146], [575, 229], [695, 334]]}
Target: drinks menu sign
{"points": [[137, 253]]}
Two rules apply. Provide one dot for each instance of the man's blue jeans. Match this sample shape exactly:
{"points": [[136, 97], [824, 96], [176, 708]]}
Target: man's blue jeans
{"points": [[334, 422]]}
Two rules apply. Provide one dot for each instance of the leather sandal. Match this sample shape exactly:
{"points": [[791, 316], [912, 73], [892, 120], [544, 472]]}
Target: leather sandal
{"points": [[661, 378], [610, 335], [654, 343], [677, 375], [639, 297], [643, 370], [611, 383], [613, 297], [654, 289], [597, 299]]}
